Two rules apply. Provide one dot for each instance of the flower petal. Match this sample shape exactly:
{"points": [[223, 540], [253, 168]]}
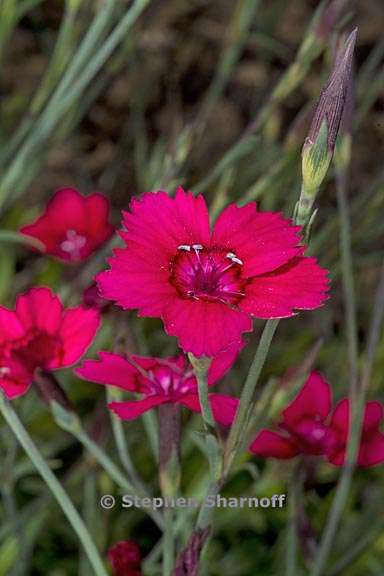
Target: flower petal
{"points": [[205, 328], [131, 410], [264, 241], [39, 308], [135, 281], [10, 325], [299, 285], [269, 444], [372, 450], [224, 362], [77, 330], [159, 223], [18, 385], [223, 407], [314, 401], [156, 226], [98, 228], [111, 370]]}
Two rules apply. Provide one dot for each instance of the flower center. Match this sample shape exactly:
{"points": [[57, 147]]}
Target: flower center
{"points": [[312, 435], [165, 380], [208, 274], [35, 350], [73, 244]]}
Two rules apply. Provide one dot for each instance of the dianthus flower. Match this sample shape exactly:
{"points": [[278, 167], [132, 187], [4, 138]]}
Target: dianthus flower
{"points": [[309, 427], [40, 333], [125, 558], [208, 285], [160, 381], [73, 226]]}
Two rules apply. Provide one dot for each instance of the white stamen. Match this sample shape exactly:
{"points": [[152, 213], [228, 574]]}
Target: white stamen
{"points": [[4, 370], [234, 258], [184, 247], [197, 246], [73, 243]]}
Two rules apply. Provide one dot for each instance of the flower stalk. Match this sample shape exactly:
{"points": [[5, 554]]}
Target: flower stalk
{"points": [[169, 475]]}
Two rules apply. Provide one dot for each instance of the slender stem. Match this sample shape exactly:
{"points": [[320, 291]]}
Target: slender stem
{"points": [[200, 368], [292, 535], [169, 475], [205, 511], [150, 427], [348, 281], [54, 485], [249, 387], [168, 543], [122, 448], [355, 550]]}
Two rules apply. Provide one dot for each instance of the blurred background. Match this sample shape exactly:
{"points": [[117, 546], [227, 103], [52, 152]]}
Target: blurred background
{"points": [[216, 96]]}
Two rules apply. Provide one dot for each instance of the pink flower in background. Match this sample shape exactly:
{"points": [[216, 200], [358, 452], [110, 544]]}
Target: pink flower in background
{"points": [[303, 428], [125, 558], [160, 381], [73, 226], [40, 333], [309, 427], [371, 450], [208, 285]]}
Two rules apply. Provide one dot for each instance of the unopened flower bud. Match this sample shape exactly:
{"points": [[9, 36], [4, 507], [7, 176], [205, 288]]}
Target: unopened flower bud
{"points": [[50, 390], [320, 143], [188, 562]]}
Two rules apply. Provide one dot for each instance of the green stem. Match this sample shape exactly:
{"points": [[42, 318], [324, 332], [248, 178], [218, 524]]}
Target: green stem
{"points": [[169, 475], [54, 485], [348, 281], [294, 503], [168, 543], [200, 368], [121, 444], [247, 394]]}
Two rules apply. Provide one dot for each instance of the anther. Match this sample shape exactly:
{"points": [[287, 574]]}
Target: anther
{"points": [[234, 258]]}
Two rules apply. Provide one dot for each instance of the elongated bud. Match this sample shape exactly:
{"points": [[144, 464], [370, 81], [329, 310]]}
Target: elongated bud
{"points": [[169, 448], [50, 390], [320, 143], [188, 562]]}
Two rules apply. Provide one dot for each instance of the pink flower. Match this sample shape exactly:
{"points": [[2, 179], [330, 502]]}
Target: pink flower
{"points": [[208, 285], [125, 558], [160, 381], [371, 450], [40, 333], [72, 226], [308, 427]]}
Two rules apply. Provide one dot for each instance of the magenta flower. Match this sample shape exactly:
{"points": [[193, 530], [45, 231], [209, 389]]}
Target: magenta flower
{"points": [[125, 558], [160, 381], [40, 333], [73, 226], [308, 427], [208, 285], [371, 451]]}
